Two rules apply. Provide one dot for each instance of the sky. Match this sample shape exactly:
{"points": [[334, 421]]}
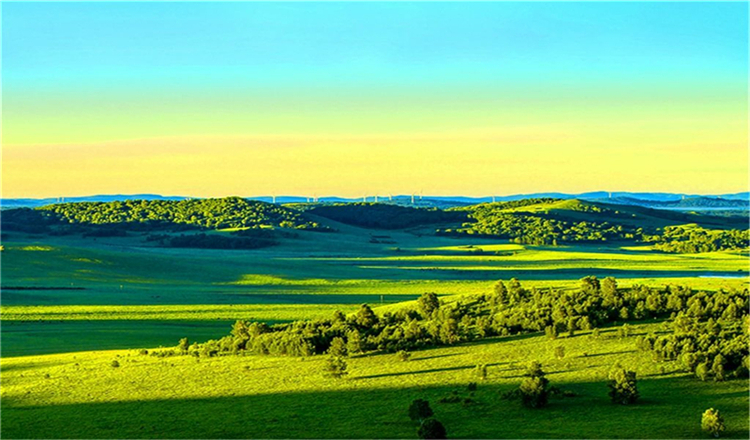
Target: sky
{"points": [[353, 99]]}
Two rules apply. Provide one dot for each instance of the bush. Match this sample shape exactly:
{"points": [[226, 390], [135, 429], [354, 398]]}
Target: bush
{"points": [[183, 345], [337, 348], [702, 371], [431, 429], [623, 386], [718, 368], [403, 355], [428, 303], [115, 364], [335, 367], [712, 422], [354, 342], [534, 392], [420, 410]]}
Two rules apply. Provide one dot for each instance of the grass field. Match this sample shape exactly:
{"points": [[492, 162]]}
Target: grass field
{"points": [[70, 306], [81, 287], [260, 396]]}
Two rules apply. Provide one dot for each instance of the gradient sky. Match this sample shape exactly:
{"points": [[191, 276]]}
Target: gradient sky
{"points": [[215, 99]]}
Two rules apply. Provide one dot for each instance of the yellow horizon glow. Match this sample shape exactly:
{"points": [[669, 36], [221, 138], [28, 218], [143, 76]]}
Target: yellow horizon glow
{"points": [[472, 163], [356, 145]]}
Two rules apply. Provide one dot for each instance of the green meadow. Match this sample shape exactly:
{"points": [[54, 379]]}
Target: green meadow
{"points": [[270, 397], [71, 306], [80, 286]]}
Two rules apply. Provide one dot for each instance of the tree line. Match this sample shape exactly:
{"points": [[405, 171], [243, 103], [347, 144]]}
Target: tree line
{"points": [[511, 309], [145, 215]]}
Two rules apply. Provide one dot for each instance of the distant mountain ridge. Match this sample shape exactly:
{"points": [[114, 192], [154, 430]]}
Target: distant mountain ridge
{"points": [[659, 200]]}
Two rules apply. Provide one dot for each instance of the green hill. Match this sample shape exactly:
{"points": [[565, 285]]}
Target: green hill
{"points": [[384, 216], [230, 212], [555, 221]]}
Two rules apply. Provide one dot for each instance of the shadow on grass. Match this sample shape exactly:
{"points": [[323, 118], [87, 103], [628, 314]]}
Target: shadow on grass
{"points": [[609, 353], [433, 370], [670, 408]]}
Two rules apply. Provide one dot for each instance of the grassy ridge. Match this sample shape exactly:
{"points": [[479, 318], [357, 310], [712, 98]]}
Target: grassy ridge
{"points": [[270, 397]]}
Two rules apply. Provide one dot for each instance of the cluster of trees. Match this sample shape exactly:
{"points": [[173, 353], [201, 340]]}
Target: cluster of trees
{"points": [[692, 239], [709, 335], [540, 228], [602, 225], [385, 216], [507, 310], [229, 212]]}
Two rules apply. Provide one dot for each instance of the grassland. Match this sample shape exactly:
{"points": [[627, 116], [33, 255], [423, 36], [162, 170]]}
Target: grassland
{"points": [[120, 283], [261, 397], [72, 305]]}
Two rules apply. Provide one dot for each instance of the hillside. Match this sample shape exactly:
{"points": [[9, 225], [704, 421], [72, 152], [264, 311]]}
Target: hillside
{"points": [[384, 216], [555, 221], [230, 212]]}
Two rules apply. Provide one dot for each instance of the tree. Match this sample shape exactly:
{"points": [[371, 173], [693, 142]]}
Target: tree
{"points": [[712, 422], [335, 367], [337, 348], [501, 293], [419, 410], [534, 392], [339, 317], [623, 386], [571, 327], [431, 429], [428, 303], [534, 369], [365, 317], [590, 284], [718, 368], [183, 345], [702, 371], [551, 331], [354, 342], [534, 388]]}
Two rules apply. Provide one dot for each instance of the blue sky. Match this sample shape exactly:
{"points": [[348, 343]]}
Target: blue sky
{"points": [[436, 95]]}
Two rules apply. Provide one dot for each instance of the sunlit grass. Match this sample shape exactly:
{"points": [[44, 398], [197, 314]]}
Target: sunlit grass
{"points": [[290, 397]]}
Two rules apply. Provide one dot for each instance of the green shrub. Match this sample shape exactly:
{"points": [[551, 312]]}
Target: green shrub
{"points": [[623, 386], [712, 422], [335, 367], [337, 348]]}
